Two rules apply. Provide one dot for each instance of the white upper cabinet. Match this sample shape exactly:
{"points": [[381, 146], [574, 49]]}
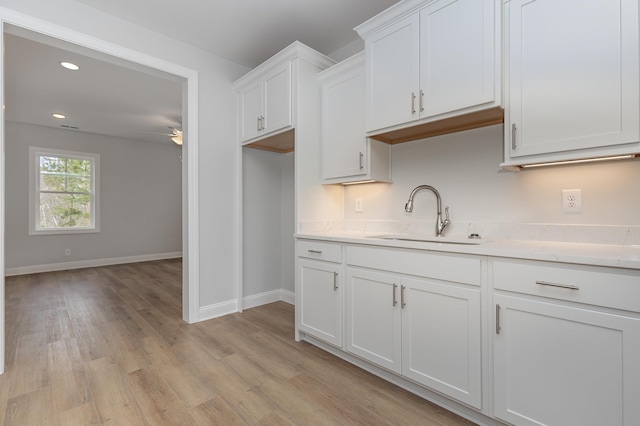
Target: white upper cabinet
{"points": [[571, 79], [347, 154], [457, 55], [393, 82], [427, 61], [265, 103]]}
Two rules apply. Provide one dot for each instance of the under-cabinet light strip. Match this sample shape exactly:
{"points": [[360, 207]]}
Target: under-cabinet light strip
{"points": [[586, 160]]}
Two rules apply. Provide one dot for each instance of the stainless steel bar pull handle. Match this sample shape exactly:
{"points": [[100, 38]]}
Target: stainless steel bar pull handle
{"points": [[361, 163], [258, 125], [497, 319], [567, 286], [395, 301], [513, 136], [421, 100], [413, 103], [335, 281], [315, 251], [402, 303]]}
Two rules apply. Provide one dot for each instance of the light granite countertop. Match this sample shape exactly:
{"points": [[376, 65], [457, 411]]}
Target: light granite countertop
{"points": [[611, 255]]}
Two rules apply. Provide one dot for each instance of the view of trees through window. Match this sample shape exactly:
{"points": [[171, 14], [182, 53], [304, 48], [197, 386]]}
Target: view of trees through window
{"points": [[65, 191]]}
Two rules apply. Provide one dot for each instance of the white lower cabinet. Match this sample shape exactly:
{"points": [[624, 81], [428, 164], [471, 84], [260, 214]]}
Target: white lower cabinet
{"points": [[427, 330], [560, 365], [374, 317], [558, 360], [321, 300], [319, 293], [441, 338]]}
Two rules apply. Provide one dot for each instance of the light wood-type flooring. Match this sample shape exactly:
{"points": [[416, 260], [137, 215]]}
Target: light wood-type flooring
{"points": [[107, 346]]}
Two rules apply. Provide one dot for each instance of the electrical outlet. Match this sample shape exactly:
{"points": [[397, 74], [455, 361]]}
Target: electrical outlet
{"points": [[359, 205], [572, 200], [67, 252]]}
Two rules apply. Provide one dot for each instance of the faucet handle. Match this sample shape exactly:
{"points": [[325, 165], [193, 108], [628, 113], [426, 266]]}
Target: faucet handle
{"points": [[446, 213]]}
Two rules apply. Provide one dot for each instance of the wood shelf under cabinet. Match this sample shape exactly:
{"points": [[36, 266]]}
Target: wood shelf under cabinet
{"points": [[281, 142], [473, 120]]}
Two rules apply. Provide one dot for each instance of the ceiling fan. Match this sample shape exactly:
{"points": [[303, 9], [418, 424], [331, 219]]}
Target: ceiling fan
{"points": [[175, 135]]}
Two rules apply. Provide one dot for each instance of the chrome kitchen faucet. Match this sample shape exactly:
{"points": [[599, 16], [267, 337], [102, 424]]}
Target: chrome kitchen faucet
{"points": [[440, 224]]}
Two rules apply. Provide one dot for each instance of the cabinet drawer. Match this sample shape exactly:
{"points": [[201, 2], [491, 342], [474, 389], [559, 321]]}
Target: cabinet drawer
{"points": [[444, 266], [608, 287], [330, 252]]}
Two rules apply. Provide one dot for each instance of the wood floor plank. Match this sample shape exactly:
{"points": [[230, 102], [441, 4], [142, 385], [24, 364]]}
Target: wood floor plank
{"points": [[29, 409], [114, 402], [83, 415], [107, 346], [157, 401], [67, 377], [191, 389], [216, 411], [29, 368]]}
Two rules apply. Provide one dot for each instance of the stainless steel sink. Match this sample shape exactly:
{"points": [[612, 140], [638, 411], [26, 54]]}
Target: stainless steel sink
{"points": [[429, 239]]}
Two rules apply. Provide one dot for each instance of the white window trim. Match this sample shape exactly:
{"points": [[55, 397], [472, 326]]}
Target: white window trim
{"points": [[34, 191]]}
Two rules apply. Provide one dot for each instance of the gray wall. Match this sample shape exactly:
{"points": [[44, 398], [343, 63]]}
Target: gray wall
{"points": [[269, 221], [140, 198]]}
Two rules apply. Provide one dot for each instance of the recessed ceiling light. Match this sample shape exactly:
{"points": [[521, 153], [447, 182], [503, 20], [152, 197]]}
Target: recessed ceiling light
{"points": [[70, 66], [58, 115]]}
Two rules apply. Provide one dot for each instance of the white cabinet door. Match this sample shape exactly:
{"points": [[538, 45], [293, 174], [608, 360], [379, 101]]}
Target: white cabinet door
{"points": [[392, 63], [343, 134], [277, 98], [265, 104], [250, 110], [560, 365], [572, 75], [441, 338], [457, 55], [374, 317], [320, 290]]}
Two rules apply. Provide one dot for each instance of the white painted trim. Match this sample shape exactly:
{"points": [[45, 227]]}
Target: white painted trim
{"points": [[2, 215], [190, 307], [64, 266], [191, 285], [217, 310], [240, 221], [268, 297], [288, 297]]}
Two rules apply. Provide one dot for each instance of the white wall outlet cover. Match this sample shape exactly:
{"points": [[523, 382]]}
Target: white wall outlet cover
{"points": [[359, 206], [572, 200]]}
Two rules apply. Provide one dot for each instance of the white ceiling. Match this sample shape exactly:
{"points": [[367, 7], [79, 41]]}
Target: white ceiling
{"points": [[249, 31], [101, 97], [111, 97]]}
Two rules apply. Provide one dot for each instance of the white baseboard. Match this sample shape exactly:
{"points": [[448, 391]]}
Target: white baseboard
{"points": [[63, 266], [268, 297], [253, 301], [288, 297], [217, 310]]}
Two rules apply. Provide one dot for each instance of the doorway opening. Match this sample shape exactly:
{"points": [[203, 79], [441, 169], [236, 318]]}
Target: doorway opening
{"points": [[124, 57]]}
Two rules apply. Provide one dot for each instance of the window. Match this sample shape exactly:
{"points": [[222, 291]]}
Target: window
{"points": [[64, 192]]}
